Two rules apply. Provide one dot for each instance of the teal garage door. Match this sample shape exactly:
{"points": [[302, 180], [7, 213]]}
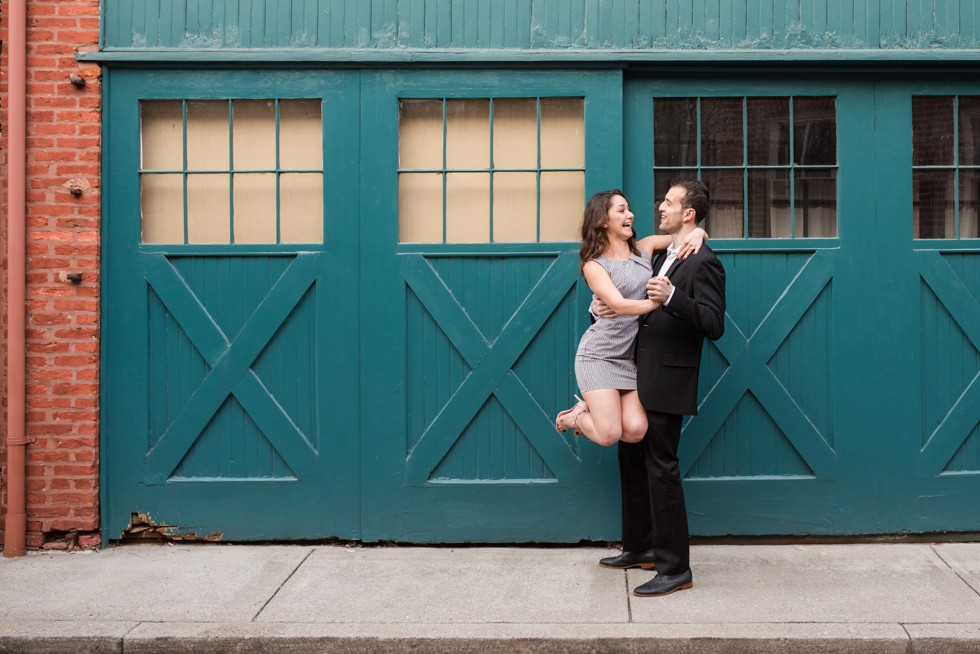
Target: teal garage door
{"points": [[346, 304], [230, 389], [842, 398], [477, 304]]}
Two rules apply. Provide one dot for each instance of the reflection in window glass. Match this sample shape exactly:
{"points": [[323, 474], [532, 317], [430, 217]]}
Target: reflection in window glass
{"points": [[769, 204], [945, 156], [816, 202], [221, 180], [758, 190], [768, 131], [725, 217], [721, 132], [932, 131], [510, 170], [814, 131], [675, 132]]}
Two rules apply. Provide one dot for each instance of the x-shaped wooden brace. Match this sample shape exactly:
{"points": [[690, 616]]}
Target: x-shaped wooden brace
{"points": [[961, 419], [230, 363], [748, 370], [490, 365]]}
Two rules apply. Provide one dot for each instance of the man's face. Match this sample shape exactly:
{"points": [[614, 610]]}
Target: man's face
{"points": [[672, 210]]}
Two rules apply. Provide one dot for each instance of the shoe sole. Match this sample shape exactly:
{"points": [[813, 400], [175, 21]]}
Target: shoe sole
{"points": [[672, 590], [641, 566]]}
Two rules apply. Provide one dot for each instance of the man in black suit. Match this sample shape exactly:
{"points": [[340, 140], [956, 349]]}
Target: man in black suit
{"points": [[668, 358]]}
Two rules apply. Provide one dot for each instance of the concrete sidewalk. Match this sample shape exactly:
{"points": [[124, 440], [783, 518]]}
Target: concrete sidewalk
{"points": [[295, 598]]}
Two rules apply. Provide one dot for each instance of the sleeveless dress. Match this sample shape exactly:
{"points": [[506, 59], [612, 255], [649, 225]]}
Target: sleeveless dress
{"points": [[605, 354]]}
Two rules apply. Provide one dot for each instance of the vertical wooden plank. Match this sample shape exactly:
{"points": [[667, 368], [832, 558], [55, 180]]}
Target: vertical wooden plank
{"points": [[672, 24], [352, 10], [781, 25], [228, 11], [120, 25], [483, 19], [873, 9], [456, 24], [813, 19], [281, 18], [947, 25], [835, 11], [767, 34], [652, 24], [521, 21], [712, 25], [152, 23], [303, 24], [729, 21]]}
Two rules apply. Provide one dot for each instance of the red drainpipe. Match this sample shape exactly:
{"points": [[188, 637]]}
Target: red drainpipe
{"points": [[15, 526]]}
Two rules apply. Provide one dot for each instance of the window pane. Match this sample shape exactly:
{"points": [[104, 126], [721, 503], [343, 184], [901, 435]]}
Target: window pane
{"points": [[162, 206], [301, 208], [467, 207], [515, 207], [420, 208], [300, 135], [420, 135], [932, 131], [562, 201], [515, 133], [969, 130], [815, 199], [932, 204], [726, 213], [969, 203], [255, 208], [675, 132], [562, 133], [162, 136], [768, 137], [467, 134], [661, 184], [721, 131], [208, 209], [769, 206], [207, 135], [815, 131], [254, 134]]}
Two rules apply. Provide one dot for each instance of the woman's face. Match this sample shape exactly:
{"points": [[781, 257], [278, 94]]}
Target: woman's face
{"points": [[619, 218]]}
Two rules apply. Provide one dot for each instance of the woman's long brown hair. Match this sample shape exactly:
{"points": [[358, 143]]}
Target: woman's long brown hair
{"points": [[594, 221]]}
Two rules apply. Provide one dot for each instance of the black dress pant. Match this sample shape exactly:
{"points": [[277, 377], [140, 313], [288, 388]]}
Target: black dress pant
{"points": [[654, 513]]}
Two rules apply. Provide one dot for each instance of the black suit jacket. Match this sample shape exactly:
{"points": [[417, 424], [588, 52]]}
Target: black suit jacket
{"points": [[670, 339]]}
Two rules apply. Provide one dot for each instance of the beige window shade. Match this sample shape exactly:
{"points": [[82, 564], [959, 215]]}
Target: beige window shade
{"points": [[254, 135], [491, 170], [241, 171], [207, 135], [162, 136]]}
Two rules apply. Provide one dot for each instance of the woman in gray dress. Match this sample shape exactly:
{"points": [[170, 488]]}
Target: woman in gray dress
{"points": [[617, 268]]}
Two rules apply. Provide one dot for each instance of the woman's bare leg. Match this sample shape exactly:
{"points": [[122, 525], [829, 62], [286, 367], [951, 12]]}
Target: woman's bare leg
{"points": [[603, 424], [634, 417]]}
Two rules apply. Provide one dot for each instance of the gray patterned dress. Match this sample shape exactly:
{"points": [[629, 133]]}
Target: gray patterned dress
{"points": [[605, 354]]}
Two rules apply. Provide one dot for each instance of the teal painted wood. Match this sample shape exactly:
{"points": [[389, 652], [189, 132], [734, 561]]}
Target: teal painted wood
{"points": [[542, 24], [928, 356], [777, 397], [225, 392], [478, 357]]}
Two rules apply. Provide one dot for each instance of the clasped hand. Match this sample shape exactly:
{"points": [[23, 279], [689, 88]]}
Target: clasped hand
{"points": [[658, 290]]}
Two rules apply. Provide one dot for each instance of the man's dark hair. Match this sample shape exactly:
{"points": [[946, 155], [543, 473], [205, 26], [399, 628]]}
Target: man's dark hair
{"points": [[697, 197]]}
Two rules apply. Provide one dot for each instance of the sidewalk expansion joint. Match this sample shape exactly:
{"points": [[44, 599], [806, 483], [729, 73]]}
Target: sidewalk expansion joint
{"points": [[954, 570], [280, 587]]}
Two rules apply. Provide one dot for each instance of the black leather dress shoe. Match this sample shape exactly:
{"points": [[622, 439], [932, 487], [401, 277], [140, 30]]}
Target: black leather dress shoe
{"points": [[665, 585], [627, 560]]}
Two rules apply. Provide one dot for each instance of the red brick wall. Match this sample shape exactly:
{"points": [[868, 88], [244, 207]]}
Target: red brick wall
{"points": [[63, 150]]}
